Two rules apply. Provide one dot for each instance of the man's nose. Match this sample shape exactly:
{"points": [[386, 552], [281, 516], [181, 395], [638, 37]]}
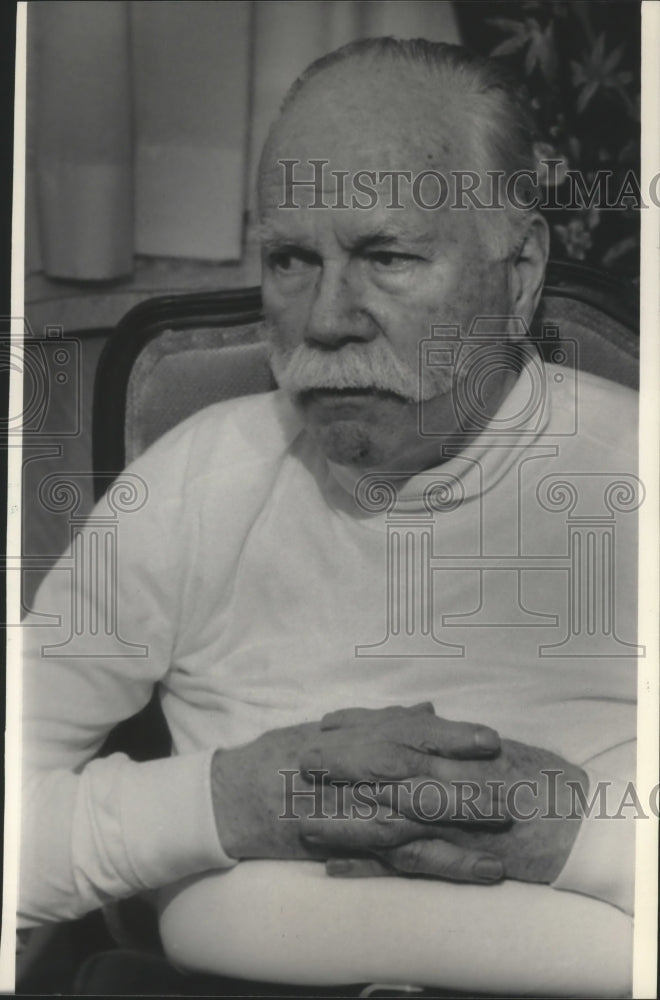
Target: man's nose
{"points": [[337, 314]]}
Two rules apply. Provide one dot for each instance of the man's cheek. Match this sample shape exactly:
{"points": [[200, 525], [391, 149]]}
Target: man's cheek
{"points": [[280, 331], [283, 311], [489, 293]]}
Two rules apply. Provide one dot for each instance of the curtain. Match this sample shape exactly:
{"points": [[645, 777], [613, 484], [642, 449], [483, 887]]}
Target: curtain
{"points": [[83, 149], [145, 120]]}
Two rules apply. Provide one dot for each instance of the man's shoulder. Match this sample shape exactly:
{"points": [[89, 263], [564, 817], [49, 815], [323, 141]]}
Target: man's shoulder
{"points": [[605, 413], [220, 454], [260, 425], [247, 430], [602, 389]]}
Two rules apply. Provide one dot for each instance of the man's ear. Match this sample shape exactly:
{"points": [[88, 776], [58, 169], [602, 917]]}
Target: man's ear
{"points": [[528, 268]]}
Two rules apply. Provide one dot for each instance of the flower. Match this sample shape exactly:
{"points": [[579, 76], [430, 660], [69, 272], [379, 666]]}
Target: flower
{"points": [[576, 238]]}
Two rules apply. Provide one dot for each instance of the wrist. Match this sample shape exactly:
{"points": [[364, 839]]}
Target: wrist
{"points": [[226, 798], [572, 791]]}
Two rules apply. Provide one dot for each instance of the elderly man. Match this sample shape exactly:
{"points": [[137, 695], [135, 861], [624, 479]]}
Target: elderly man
{"points": [[256, 573]]}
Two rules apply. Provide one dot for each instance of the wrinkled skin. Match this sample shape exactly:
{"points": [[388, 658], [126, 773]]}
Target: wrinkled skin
{"points": [[389, 746], [538, 826], [249, 791]]}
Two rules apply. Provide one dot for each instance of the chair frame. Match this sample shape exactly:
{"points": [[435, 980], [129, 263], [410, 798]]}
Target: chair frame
{"points": [[132, 334], [614, 297]]}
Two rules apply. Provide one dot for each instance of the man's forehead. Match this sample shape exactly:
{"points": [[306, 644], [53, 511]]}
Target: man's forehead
{"points": [[353, 145], [322, 183], [372, 118], [380, 226], [364, 171]]}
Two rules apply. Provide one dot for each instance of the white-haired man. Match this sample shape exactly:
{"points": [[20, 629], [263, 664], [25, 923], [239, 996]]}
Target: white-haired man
{"points": [[258, 577]]}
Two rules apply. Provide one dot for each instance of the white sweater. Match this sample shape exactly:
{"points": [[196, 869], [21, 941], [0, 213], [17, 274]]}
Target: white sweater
{"points": [[248, 578]]}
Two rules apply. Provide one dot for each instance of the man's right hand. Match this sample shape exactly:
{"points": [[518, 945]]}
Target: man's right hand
{"points": [[248, 794], [249, 789]]}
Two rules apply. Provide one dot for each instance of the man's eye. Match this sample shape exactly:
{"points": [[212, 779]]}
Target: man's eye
{"points": [[390, 260], [290, 261]]}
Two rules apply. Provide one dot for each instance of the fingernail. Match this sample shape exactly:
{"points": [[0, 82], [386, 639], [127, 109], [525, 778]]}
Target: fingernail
{"points": [[487, 739], [489, 869], [338, 866]]}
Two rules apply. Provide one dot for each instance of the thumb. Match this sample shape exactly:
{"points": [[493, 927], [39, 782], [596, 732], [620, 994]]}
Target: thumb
{"points": [[357, 868], [441, 859]]}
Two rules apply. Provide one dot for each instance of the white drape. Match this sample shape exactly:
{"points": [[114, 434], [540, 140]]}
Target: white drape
{"points": [[145, 120], [82, 129]]}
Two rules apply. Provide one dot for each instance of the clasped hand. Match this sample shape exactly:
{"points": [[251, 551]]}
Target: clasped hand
{"points": [[399, 791]]}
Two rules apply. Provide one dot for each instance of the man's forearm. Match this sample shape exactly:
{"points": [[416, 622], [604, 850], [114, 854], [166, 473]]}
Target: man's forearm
{"points": [[115, 829]]}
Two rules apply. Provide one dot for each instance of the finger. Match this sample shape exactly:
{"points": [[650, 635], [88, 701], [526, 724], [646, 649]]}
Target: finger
{"points": [[357, 868], [377, 760], [422, 730], [428, 800], [443, 737], [343, 757], [378, 830], [439, 859], [350, 718]]}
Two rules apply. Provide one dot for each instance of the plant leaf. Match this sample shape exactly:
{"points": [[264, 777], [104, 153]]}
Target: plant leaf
{"points": [[586, 95], [613, 59], [578, 73], [532, 57], [598, 50], [508, 46], [506, 24], [618, 249], [547, 54]]}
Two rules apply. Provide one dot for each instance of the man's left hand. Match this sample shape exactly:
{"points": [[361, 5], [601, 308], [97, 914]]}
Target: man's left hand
{"points": [[531, 792]]}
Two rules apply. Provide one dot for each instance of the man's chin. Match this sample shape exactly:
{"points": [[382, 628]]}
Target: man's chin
{"points": [[354, 427], [348, 442]]}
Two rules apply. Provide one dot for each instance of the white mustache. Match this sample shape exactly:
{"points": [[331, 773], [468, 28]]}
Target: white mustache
{"points": [[370, 365]]}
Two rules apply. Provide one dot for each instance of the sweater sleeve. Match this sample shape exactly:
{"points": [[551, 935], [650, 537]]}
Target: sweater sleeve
{"points": [[602, 861], [100, 636]]}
